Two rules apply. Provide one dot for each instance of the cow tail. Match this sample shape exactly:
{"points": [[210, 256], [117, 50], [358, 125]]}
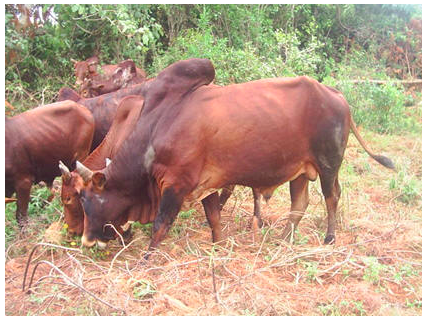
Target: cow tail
{"points": [[387, 162]]}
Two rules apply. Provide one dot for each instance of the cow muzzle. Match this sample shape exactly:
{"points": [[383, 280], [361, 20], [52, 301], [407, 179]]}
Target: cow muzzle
{"points": [[88, 243]]}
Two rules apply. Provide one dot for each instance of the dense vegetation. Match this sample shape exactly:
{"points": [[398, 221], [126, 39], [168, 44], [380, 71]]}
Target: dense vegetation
{"points": [[332, 43]]}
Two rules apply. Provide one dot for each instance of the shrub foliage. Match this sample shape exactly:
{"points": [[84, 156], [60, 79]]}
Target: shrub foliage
{"points": [[245, 42]]}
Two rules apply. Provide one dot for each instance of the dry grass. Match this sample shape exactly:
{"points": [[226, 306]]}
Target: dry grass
{"points": [[373, 269]]}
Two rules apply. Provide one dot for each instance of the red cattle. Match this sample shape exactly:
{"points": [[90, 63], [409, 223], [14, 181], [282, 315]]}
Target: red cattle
{"points": [[36, 140], [123, 124], [125, 74], [192, 139], [72, 183], [103, 107]]}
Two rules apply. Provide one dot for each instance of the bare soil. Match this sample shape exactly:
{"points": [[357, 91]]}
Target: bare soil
{"points": [[374, 268]]}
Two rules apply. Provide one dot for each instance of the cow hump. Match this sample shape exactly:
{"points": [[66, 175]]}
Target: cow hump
{"points": [[177, 80]]}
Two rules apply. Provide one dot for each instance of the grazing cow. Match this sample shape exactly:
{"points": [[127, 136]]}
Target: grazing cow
{"points": [[123, 124], [192, 139], [36, 140], [124, 75], [103, 107], [72, 184]]}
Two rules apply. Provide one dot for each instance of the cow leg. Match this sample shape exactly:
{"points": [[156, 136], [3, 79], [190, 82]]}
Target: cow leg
{"points": [[225, 194], [23, 189], [211, 204], [331, 190], [257, 220], [299, 202], [170, 205]]}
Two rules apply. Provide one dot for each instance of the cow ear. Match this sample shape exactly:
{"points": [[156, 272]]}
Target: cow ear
{"points": [[99, 180]]}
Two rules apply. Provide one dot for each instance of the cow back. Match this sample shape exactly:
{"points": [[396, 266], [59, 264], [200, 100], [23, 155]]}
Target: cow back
{"points": [[37, 139], [104, 108], [66, 93]]}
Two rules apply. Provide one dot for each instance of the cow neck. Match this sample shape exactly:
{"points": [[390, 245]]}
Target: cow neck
{"points": [[127, 169], [113, 97]]}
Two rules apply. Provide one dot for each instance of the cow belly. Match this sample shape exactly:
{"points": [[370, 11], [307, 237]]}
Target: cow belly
{"points": [[211, 180], [213, 183], [196, 196]]}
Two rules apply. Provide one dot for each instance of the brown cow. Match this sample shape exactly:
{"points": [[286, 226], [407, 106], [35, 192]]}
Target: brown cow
{"points": [[125, 74], [103, 107], [192, 139], [123, 124], [34, 142], [72, 184]]}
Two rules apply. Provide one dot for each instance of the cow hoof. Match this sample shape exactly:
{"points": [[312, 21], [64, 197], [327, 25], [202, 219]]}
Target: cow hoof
{"points": [[330, 239], [22, 223], [256, 223]]}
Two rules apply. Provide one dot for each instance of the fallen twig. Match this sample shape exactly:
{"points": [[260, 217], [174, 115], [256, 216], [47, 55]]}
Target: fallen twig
{"points": [[66, 278], [32, 252]]}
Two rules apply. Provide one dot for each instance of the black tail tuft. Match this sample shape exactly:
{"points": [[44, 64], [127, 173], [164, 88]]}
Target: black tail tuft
{"points": [[388, 163]]}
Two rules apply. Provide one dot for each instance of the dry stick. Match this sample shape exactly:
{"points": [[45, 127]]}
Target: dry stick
{"points": [[32, 252], [66, 278], [198, 269], [48, 304], [213, 280], [339, 264], [119, 234], [76, 261], [119, 253], [49, 276], [263, 241]]}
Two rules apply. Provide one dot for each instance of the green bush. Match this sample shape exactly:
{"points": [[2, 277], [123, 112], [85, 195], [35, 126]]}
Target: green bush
{"points": [[378, 107], [248, 63]]}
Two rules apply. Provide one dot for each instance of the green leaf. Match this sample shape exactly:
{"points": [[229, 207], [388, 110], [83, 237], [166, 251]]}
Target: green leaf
{"points": [[145, 39]]}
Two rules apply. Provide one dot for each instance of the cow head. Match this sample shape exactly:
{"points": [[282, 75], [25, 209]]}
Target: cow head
{"points": [[103, 205], [85, 69], [72, 184], [88, 89]]}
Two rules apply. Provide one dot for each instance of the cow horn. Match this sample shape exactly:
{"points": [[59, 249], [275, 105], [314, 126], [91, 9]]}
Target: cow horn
{"points": [[66, 174], [84, 172], [73, 61], [10, 200]]}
